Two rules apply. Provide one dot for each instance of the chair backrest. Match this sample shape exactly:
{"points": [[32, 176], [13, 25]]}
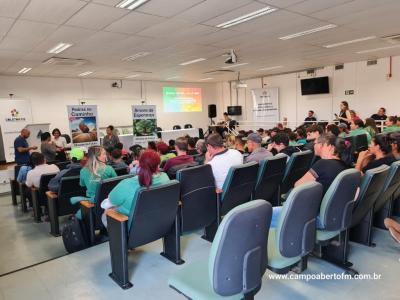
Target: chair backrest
{"points": [[188, 126], [371, 187], [62, 164], [172, 171], [297, 221], [44, 186], [269, 177], [360, 142], [67, 138], [391, 185], [238, 257], [198, 197], [238, 186], [338, 202], [154, 213], [69, 187], [176, 127], [298, 165], [104, 188], [121, 171]]}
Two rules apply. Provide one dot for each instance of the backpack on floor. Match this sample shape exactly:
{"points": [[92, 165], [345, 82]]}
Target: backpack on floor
{"points": [[73, 235]]}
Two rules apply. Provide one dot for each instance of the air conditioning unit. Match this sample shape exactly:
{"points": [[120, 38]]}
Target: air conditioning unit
{"points": [[61, 61]]}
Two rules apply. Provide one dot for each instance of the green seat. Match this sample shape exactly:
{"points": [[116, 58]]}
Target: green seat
{"points": [[294, 236], [237, 259]]}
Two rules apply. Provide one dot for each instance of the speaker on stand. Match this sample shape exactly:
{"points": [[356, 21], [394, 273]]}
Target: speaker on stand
{"points": [[212, 113]]}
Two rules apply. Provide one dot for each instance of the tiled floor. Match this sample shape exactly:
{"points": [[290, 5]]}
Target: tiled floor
{"points": [[84, 275], [23, 242]]}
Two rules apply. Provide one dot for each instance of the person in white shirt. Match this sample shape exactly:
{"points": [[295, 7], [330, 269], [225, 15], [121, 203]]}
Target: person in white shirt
{"points": [[40, 168], [221, 159], [59, 140]]}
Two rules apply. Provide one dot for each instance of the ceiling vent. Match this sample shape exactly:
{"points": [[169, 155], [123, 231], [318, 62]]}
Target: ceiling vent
{"points": [[69, 62], [339, 67], [372, 62], [311, 72], [392, 39]]}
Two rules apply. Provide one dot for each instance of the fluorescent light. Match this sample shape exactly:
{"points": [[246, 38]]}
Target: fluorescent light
{"points": [[133, 76], [208, 78], [24, 70], [131, 4], [192, 61], [85, 73], [270, 68], [350, 42], [244, 18], [136, 56], [59, 48], [377, 49], [234, 66], [298, 34], [173, 77]]}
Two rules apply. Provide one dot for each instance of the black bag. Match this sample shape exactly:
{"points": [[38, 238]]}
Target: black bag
{"points": [[73, 235]]}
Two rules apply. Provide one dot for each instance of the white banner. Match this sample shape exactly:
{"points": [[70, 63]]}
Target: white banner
{"points": [[84, 125], [144, 124], [266, 104], [14, 115]]}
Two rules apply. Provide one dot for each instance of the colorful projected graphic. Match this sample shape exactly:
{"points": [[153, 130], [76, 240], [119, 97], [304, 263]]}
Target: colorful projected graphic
{"points": [[182, 99]]}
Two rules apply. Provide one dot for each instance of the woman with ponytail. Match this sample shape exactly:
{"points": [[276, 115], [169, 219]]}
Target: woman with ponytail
{"points": [[95, 170], [122, 197], [335, 156]]}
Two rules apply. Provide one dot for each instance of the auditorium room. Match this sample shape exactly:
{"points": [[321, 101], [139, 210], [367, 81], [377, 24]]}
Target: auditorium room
{"points": [[199, 149]]}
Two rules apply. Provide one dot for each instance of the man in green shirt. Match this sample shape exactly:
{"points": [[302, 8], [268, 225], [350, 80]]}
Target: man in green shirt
{"points": [[357, 128]]}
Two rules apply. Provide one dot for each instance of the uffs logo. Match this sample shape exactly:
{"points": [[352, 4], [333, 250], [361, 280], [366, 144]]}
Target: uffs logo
{"points": [[15, 116]]}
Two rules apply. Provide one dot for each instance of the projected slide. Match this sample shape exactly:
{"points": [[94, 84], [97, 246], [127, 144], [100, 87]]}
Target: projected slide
{"points": [[182, 99]]}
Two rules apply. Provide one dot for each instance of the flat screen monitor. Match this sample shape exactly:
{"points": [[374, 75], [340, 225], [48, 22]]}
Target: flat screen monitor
{"points": [[312, 86], [234, 110]]}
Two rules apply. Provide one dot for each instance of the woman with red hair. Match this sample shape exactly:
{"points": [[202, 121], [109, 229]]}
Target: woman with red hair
{"points": [[122, 197]]}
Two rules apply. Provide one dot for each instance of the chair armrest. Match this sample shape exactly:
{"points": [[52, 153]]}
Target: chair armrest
{"points": [[51, 195], [87, 204], [116, 215]]}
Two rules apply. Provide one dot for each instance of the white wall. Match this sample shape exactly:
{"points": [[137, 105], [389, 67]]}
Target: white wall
{"points": [[50, 96], [372, 89]]}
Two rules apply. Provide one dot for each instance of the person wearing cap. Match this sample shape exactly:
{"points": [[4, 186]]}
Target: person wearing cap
{"points": [[343, 130], [73, 169], [257, 152], [220, 159]]}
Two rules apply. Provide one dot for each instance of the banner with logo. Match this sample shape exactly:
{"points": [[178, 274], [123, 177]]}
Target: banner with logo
{"points": [[84, 125], [14, 115], [144, 124], [265, 104]]}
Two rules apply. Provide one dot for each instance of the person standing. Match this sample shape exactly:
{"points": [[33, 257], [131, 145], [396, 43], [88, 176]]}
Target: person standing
{"points": [[21, 147], [344, 114], [111, 139]]}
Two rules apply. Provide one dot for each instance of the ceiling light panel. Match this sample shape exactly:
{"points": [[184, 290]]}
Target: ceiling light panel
{"points": [[192, 61], [136, 56], [350, 42], [270, 68], [24, 70], [378, 49], [247, 17], [59, 48], [85, 73], [234, 66], [307, 32], [131, 4]]}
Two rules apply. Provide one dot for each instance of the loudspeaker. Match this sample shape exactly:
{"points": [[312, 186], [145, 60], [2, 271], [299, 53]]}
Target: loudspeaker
{"points": [[212, 111]]}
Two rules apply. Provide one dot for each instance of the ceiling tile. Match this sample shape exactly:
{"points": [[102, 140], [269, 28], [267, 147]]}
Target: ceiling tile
{"points": [[107, 2], [5, 25], [165, 28], [12, 8], [311, 6], [282, 3], [51, 11], [167, 8], [32, 30], [134, 23], [96, 16]]}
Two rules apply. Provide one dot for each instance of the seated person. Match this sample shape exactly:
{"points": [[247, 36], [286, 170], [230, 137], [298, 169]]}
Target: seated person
{"points": [[333, 128], [354, 115], [23, 171], [124, 152], [391, 125], [191, 146], [163, 151], [381, 115], [121, 198], [48, 148], [344, 131], [311, 119], [378, 153], [116, 160], [40, 168], [394, 228], [370, 127], [220, 159], [73, 169], [201, 150], [293, 139], [280, 144], [137, 151], [335, 157], [171, 145], [257, 152], [181, 147], [394, 139], [357, 128], [95, 170], [152, 146], [301, 136], [240, 144], [313, 132]]}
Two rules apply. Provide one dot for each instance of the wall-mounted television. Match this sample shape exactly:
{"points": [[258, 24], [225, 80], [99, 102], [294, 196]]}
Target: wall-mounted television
{"points": [[234, 110], [312, 86]]}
